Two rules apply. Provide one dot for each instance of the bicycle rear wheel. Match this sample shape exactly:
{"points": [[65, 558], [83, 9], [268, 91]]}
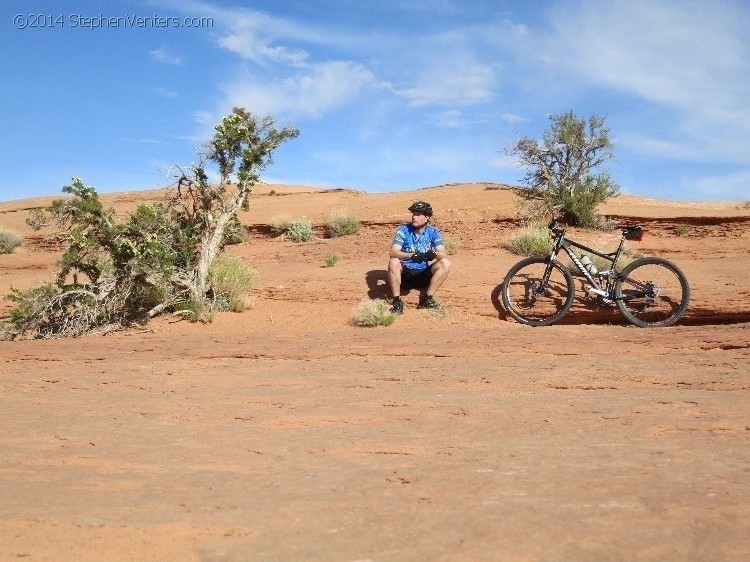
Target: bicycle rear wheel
{"points": [[531, 300], [652, 292]]}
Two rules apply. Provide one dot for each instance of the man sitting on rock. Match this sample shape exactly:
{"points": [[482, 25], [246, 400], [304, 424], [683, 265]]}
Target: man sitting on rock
{"points": [[418, 259]]}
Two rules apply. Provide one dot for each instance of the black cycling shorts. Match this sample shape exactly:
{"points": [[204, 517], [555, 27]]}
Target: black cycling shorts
{"points": [[415, 278]]}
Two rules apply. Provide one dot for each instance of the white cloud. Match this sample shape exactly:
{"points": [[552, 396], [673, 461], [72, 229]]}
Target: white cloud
{"points": [[317, 89], [452, 81], [512, 118], [452, 118], [247, 45], [164, 56], [252, 35], [259, 36], [731, 186], [691, 58], [164, 92], [204, 117], [145, 141], [678, 54], [681, 67], [457, 68], [504, 162]]}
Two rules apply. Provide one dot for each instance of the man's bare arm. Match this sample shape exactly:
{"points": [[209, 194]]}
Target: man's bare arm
{"points": [[397, 253]]}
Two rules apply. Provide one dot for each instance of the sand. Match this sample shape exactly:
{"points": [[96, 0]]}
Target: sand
{"points": [[286, 433]]}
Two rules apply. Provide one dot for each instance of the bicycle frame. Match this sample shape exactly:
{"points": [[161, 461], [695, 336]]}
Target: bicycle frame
{"points": [[562, 243]]}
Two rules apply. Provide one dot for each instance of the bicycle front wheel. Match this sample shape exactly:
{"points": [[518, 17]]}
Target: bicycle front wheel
{"points": [[652, 292], [537, 293]]}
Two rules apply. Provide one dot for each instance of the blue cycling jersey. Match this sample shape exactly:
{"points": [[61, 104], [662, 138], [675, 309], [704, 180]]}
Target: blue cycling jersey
{"points": [[413, 243]]}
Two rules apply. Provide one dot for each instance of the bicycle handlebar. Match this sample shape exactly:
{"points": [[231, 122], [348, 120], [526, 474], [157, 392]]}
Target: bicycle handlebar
{"points": [[553, 227]]}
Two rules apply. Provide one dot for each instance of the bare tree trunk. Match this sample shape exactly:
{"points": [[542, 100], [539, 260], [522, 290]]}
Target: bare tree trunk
{"points": [[210, 243]]}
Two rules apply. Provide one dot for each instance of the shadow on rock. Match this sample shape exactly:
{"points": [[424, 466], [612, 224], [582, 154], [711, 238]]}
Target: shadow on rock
{"points": [[377, 284]]}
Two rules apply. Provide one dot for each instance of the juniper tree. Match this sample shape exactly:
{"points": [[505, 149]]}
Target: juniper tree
{"points": [[563, 177], [115, 272], [242, 147]]}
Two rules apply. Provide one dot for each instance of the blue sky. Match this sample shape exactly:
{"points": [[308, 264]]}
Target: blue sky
{"points": [[388, 95]]}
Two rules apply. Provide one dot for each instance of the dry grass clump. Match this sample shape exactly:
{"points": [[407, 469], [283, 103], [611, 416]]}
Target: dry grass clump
{"points": [[452, 245], [342, 223], [370, 313], [297, 230], [280, 224], [440, 311], [231, 281], [531, 240], [9, 240], [332, 259], [193, 310]]}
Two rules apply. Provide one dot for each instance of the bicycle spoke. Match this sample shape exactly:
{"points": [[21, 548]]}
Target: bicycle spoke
{"points": [[653, 293], [532, 301]]}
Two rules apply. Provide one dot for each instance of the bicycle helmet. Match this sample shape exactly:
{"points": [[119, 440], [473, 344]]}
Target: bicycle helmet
{"points": [[421, 207]]}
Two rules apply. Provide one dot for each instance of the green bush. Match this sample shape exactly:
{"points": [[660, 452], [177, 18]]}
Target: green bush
{"points": [[579, 208], [563, 176], [234, 233], [370, 313], [193, 307], [28, 303], [300, 230], [114, 273], [9, 240], [341, 223], [237, 304], [332, 259], [231, 280], [530, 240], [682, 229]]}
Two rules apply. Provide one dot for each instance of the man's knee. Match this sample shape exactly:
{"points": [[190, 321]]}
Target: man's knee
{"points": [[394, 265], [443, 265]]}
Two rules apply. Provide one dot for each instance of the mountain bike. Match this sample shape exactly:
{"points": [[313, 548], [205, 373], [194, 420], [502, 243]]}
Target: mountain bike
{"points": [[649, 292]]}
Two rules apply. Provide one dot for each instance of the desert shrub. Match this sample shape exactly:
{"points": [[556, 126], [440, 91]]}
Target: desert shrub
{"points": [[605, 224], [193, 309], [234, 233], [682, 229], [562, 180], [341, 223], [114, 273], [300, 230], [9, 240], [230, 281], [237, 304], [529, 240], [370, 313], [280, 224], [28, 303], [332, 259], [579, 207], [452, 245]]}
